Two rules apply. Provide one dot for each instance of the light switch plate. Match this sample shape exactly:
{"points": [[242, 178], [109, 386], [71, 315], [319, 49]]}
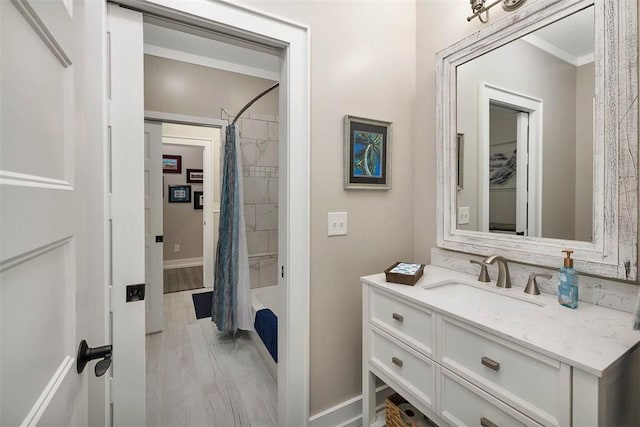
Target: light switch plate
{"points": [[337, 223], [463, 215]]}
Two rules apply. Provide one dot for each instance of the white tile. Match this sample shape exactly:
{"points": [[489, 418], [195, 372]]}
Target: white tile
{"points": [[267, 153], [273, 240], [257, 129], [256, 190], [274, 131], [248, 151], [263, 117], [250, 217], [273, 190], [254, 273], [267, 217], [257, 241], [268, 271]]}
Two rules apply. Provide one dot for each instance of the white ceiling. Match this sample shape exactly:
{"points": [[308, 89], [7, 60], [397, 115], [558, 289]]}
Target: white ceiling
{"points": [[572, 39], [187, 45]]}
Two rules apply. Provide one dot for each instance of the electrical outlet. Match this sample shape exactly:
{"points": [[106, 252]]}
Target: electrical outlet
{"points": [[176, 248], [337, 223], [463, 215]]}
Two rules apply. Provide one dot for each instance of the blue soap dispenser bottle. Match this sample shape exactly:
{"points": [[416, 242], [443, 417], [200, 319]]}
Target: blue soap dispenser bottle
{"points": [[568, 282]]}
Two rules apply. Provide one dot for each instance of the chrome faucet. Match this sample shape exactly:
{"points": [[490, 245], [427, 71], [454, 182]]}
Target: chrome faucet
{"points": [[484, 274], [504, 278]]}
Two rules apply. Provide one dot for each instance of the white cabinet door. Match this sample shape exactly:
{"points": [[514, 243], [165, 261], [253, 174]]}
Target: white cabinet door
{"points": [[153, 225], [44, 249]]}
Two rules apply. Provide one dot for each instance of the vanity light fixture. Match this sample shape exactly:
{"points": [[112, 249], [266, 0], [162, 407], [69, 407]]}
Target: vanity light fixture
{"points": [[478, 8]]}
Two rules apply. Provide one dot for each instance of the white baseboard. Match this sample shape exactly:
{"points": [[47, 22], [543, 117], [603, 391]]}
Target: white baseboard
{"points": [[181, 263], [349, 412]]}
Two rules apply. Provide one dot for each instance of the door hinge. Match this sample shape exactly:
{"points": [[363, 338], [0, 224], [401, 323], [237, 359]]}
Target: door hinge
{"points": [[110, 400], [282, 271], [109, 205], [110, 298], [108, 47]]}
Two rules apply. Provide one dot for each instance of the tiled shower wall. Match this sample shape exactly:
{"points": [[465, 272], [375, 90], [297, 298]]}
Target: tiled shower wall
{"points": [[259, 136]]}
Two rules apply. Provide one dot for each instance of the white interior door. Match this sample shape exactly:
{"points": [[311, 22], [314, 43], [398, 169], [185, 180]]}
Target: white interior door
{"points": [[522, 168], [153, 225], [126, 124], [43, 241]]}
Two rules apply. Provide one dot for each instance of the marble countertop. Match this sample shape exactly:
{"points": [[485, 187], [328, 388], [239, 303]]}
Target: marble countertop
{"points": [[591, 337]]}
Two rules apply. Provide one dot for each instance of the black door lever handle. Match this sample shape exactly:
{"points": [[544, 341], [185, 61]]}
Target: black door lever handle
{"points": [[86, 354]]}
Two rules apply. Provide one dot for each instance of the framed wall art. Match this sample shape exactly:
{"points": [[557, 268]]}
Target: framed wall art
{"points": [[198, 200], [367, 154], [179, 194], [171, 164], [195, 175]]}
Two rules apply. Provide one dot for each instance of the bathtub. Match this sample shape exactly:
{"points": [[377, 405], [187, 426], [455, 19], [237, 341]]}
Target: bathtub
{"points": [[265, 297]]}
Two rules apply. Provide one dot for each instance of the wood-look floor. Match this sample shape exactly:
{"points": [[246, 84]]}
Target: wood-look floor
{"points": [[182, 279], [197, 376]]}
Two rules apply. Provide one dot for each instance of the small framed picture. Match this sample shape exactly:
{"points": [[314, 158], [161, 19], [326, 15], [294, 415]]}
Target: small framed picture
{"points": [[194, 175], [367, 154], [198, 200], [171, 164], [179, 194]]}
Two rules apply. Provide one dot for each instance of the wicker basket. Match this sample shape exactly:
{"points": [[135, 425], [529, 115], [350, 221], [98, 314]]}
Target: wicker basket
{"points": [[393, 415]]}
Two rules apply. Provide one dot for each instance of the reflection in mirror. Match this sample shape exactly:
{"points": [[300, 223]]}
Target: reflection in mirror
{"points": [[525, 113]]}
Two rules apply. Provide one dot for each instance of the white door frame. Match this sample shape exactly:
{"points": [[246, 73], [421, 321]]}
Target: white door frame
{"points": [[210, 156], [505, 97], [293, 252]]}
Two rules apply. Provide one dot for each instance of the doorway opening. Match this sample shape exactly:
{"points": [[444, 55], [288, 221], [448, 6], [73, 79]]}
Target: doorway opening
{"points": [[289, 42], [510, 158], [205, 89]]}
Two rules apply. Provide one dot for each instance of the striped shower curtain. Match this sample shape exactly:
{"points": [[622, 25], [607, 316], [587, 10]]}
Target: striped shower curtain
{"points": [[231, 308]]}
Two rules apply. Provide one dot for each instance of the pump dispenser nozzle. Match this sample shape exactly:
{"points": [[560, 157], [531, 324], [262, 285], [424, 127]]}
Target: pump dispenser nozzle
{"points": [[568, 262]]}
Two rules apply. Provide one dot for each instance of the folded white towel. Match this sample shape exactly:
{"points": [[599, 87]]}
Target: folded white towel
{"points": [[636, 316]]}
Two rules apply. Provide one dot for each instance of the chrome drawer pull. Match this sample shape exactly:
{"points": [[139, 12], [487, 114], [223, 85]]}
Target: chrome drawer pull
{"points": [[398, 317], [397, 361], [487, 423], [491, 364]]}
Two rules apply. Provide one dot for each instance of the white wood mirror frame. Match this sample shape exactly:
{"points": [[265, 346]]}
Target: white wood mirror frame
{"points": [[613, 251]]}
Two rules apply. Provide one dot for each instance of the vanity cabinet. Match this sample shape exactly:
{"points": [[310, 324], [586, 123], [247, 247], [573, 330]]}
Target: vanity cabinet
{"points": [[459, 374]]}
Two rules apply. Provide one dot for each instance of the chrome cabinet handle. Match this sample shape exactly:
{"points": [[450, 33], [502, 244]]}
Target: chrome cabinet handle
{"points": [[484, 422], [397, 361], [398, 317], [491, 364]]}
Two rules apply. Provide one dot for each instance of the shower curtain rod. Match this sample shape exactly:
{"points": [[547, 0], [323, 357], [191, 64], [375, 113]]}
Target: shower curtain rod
{"points": [[250, 103]]}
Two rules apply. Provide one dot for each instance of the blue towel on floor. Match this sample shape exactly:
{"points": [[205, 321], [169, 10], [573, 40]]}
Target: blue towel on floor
{"points": [[266, 325]]}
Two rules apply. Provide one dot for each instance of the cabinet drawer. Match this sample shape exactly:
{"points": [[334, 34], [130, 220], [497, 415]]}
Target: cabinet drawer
{"points": [[530, 382], [411, 369], [463, 404], [403, 320]]}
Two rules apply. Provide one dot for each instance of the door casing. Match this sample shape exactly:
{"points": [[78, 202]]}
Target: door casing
{"points": [[292, 40]]}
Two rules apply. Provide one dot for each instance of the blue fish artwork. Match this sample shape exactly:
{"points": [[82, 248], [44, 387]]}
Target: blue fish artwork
{"points": [[367, 154]]}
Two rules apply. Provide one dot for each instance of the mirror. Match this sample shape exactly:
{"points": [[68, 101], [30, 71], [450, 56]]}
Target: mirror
{"points": [[525, 111], [537, 137]]}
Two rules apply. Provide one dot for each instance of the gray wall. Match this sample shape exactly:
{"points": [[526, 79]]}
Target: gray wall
{"points": [[363, 64], [585, 91], [182, 224], [182, 88]]}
